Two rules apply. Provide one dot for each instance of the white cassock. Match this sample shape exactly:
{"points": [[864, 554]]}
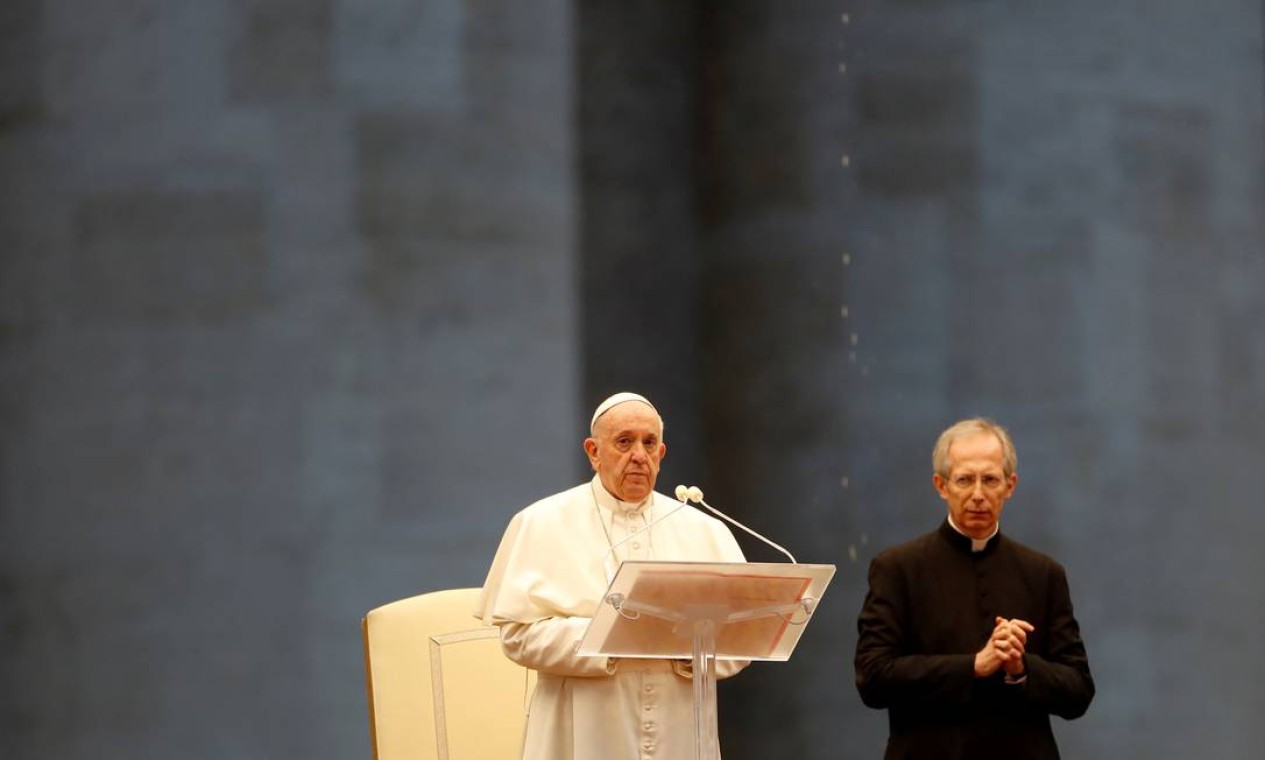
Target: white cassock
{"points": [[545, 584]]}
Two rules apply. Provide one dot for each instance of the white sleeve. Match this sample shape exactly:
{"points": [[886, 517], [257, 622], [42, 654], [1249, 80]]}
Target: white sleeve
{"points": [[549, 646]]}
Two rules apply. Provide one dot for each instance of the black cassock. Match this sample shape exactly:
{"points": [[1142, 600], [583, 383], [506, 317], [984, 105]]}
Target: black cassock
{"points": [[931, 605]]}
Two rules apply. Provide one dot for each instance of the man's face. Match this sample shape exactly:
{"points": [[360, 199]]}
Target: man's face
{"points": [[625, 450], [976, 487]]}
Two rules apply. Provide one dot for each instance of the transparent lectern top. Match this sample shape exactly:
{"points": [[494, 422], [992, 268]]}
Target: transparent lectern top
{"points": [[758, 610]]}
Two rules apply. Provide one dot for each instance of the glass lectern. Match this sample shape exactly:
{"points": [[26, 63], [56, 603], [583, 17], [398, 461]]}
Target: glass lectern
{"points": [[704, 611]]}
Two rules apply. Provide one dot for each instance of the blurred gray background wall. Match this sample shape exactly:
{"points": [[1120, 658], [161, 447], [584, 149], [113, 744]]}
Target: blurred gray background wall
{"points": [[300, 301]]}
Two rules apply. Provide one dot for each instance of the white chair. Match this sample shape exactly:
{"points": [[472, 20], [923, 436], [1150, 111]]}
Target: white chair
{"points": [[440, 688]]}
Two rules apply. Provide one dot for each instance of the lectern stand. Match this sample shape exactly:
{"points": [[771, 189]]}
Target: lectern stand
{"points": [[705, 611]]}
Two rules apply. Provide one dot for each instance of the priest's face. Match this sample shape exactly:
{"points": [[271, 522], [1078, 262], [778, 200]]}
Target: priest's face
{"points": [[976, 485], [626, 448]]}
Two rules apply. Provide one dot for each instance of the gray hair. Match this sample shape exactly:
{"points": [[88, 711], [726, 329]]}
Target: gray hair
{"points": [[966, 428]]}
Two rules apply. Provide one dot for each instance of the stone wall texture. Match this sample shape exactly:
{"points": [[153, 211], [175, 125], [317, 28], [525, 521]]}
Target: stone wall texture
{"points": [[300, 301]]}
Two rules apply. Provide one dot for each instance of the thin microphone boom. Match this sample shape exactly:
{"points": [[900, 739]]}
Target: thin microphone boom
{"points": [[697, 495]]}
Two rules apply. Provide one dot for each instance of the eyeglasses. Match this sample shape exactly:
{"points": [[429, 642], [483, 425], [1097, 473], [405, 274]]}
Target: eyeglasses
{"points": [[988, 481]]}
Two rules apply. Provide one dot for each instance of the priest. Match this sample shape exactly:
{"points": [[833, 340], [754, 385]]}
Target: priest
{"points": [[967, 637]]}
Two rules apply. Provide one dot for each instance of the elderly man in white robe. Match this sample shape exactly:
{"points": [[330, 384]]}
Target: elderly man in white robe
{"points": [[548, 578]]}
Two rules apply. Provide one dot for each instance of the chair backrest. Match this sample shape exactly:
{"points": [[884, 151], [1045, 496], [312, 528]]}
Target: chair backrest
{"points": [[439, 685]]}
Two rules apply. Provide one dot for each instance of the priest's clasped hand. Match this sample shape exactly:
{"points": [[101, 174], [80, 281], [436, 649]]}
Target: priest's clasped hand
{"points": [[1004, 649]]}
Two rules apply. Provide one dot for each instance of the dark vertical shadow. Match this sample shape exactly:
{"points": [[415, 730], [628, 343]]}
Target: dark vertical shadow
{"points": [[638, 238]]}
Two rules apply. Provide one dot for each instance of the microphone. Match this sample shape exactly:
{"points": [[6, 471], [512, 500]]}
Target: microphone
{"points": [[695, 494]]}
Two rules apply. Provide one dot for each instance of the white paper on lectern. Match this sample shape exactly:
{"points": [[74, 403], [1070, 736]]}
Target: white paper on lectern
{"points": [[727, 590]]}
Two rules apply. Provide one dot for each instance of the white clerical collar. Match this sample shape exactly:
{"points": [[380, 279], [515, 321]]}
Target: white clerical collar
{"points": [[977, 544], [608, 502]]}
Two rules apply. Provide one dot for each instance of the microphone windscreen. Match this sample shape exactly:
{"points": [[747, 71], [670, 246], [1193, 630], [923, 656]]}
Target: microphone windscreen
{"points": [[681, 492], [695, 494]]}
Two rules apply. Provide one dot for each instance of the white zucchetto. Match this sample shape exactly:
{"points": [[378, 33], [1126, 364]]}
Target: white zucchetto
{"points": [[616, 400]]}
